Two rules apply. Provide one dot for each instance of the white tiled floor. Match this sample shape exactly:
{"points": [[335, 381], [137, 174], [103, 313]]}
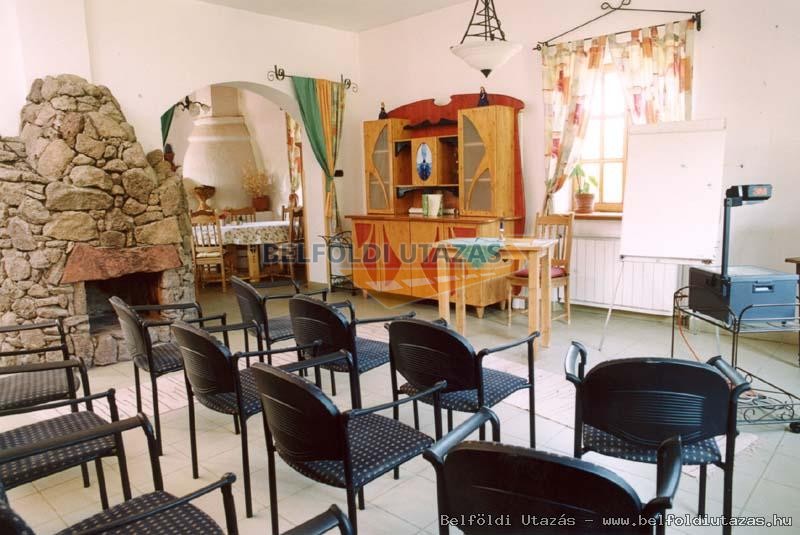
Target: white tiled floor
{"points": [[767, 475]]}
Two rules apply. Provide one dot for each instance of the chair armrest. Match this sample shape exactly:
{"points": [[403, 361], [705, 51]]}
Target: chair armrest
{"points": [[56, 404], [318, 361], [224, 482], [738, 382], [40, 366], [222, 318], [348, 305], [278, 296], [266, 352], [323, 523], [436, 453], [323, 292], [30, 327], [228, 327], [527, 340], [438, 387], [174, 306], [62, 441], [668, 475], [439, 321], [573, 367], [38, 351], [384, 319]]}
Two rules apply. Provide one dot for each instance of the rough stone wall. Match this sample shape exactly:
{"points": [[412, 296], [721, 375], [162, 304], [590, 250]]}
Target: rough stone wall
{"points": [[76, 174]]}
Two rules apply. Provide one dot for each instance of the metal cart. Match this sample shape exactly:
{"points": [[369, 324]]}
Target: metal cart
{"points": [[339, 255]]}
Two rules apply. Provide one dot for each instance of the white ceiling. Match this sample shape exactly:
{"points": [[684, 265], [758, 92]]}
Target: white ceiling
{"points": [[351, 15]]}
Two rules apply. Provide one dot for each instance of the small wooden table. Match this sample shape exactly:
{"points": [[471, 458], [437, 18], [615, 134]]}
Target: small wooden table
{"points": [[537, 253], [254, 235]]}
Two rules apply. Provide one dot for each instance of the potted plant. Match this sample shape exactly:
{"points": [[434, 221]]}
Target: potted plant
{"points": [[257, 184], [584, 198]]}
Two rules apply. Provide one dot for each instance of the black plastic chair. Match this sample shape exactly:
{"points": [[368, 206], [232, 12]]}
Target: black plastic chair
{"points": [[154, 359], [255, 317], [524, 491], [156, 512], [49, 383], [342, 449], [323, 523], [16, 470], [425, 353], [213, 377], [313, 320], [625, 408]]}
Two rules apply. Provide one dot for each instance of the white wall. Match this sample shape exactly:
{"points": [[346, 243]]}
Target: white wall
{"points": [[745, 71], [12, 80]]}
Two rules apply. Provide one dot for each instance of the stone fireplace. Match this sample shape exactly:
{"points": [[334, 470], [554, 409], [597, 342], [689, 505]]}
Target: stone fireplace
{"points": [[85, 215]]}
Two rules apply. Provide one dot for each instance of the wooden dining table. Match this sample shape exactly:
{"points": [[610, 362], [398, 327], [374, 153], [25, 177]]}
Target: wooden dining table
{"points": [[536, 252], [254, 236]]}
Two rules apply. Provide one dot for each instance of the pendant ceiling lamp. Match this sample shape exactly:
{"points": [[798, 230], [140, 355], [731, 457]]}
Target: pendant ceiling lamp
{"points": [[487, 48]]}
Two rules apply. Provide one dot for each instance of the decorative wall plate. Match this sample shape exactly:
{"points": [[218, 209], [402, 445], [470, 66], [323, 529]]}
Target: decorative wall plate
{"points": [[424, 162]]}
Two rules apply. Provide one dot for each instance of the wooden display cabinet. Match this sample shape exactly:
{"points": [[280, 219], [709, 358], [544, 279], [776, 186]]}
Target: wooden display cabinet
{"points": [[486, 161], [384, 168]]}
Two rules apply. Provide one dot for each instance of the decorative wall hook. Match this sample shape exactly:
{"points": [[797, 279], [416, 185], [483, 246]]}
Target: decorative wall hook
{"points": [[277, 73], [348, 84]]}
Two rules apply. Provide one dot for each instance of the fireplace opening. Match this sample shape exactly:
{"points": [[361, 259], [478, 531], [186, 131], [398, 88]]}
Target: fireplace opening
{"points": [[134, 289]]}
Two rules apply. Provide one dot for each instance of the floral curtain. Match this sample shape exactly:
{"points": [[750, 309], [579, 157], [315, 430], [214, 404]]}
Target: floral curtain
{"points": [[322, 108], [569, 72], [655, 65], [294, 152]]}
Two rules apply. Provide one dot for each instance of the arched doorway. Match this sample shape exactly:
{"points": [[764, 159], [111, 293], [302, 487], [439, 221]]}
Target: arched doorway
{"points": [[245, 130]]}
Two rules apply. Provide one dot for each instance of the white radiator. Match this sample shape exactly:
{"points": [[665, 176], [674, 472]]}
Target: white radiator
{"points": [[645, 287]]}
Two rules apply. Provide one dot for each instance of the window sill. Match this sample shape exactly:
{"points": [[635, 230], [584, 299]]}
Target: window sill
{"points": [[600, 216]]}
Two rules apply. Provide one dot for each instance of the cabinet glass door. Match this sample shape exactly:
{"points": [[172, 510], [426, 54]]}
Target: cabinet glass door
{"points": [[379, 175], [478, 188]]}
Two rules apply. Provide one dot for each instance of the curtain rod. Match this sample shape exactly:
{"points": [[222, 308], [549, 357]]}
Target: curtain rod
{"points": [[696, 17], [279, 73]]}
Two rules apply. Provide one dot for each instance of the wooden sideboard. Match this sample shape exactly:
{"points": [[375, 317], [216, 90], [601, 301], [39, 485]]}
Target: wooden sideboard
{"points": [[471, 156]]}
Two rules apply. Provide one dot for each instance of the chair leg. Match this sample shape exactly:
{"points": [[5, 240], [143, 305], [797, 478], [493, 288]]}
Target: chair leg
{"points": [[101, 482], [701, 506], [224, 282], [85, 475], [192, 433], [449, 420], [727, 497], [317, 377], [235, 425], [482, 433], [532, 415], [352, 511], [508, 305], [156, 415], [122, 461], [566, 301], [361, 505], [248, 498], [416, 415], [273, 489], [138, 388]]}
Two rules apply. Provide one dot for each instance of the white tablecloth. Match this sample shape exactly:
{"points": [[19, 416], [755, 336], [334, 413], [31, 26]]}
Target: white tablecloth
{"points": [[258, 233]]}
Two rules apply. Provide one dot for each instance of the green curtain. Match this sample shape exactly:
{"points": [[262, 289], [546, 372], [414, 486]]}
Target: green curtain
{"points": [[322, 110], [166, 123]]}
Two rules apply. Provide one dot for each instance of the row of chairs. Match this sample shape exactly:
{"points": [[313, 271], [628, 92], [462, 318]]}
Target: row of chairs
{"points": [[314, 419]]}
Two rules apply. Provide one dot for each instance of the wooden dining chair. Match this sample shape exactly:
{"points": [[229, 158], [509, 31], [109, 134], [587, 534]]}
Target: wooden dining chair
{"points": [[207, 249], [293, 250], [245, 215], [554, 227]]}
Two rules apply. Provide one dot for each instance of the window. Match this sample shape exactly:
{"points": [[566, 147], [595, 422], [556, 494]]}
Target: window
{"points": [[605, 145]]}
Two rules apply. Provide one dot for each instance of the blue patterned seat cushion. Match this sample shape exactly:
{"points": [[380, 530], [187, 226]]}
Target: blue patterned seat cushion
{"points": [[24, 470], [497, 386], [377, 445], [166, 358], [280, 328], [371, 354], [32, 388], [184, 519], [702, 452], [226, 402]]}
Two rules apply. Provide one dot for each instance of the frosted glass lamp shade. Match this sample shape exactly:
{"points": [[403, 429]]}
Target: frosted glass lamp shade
{"points": [[487, 55]]}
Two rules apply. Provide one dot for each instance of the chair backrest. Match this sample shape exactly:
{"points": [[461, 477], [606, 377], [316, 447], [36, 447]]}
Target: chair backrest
{"points": [[425, 353], [245, 215], [304, 423], [647, 400], [206, 234], [251, 304], [207, 362], [314, 320], [296, 224], [497, 479], [557, 227], [42, 350], [136, 334]]}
